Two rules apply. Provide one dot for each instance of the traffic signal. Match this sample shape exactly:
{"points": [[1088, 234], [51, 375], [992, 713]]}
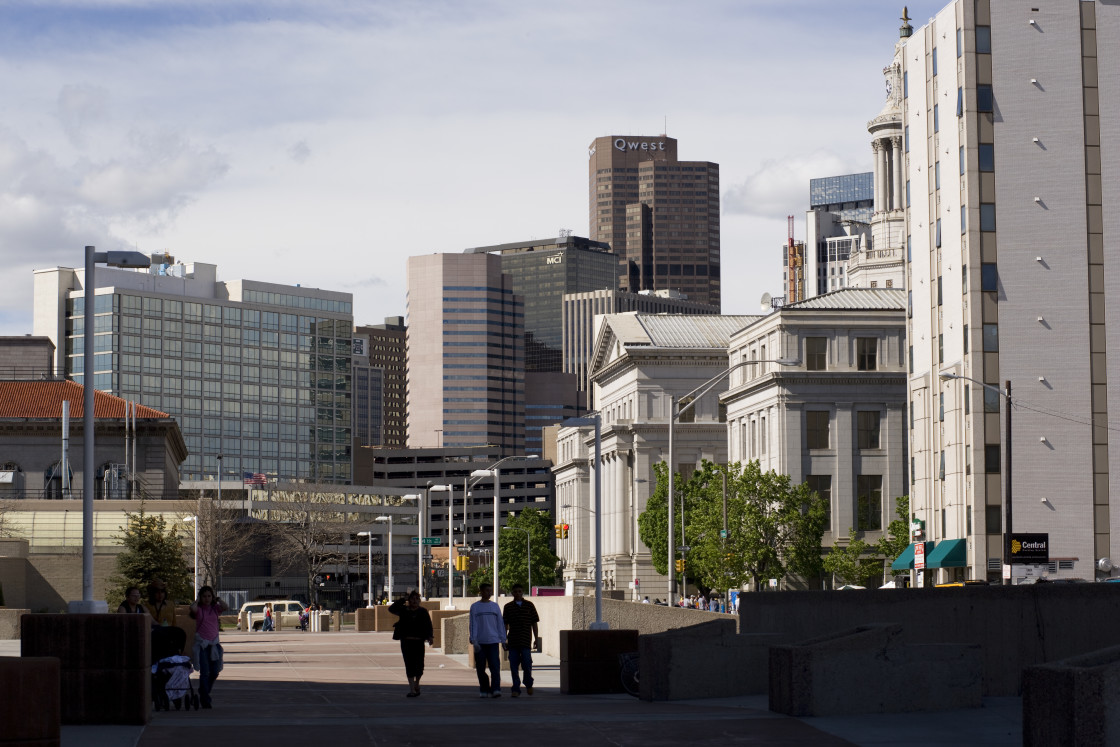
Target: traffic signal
{"points": [[680, 566], [563, 531], [559, 531], [462, 563]]}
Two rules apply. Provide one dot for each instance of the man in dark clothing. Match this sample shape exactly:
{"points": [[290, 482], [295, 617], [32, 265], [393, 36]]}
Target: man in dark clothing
{"points": [[412, 629], [521, 619]]}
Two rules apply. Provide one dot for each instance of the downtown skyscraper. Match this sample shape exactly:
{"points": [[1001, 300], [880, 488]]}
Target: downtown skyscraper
{"points": [[659, 215]]}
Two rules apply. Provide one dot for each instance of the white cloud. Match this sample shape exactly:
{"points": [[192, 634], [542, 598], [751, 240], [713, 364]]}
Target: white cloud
{"points": [[299, 152], [79, 108], [781, 187]]}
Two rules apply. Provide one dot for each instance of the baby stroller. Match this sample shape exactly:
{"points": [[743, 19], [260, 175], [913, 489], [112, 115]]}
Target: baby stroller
{"points": [[171, 683]]}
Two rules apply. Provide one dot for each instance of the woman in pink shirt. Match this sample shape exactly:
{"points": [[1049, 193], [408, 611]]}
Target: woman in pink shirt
{"points": [[207, 652]]}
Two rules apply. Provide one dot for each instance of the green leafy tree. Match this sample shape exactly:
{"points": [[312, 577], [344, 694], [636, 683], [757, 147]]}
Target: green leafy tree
{"points": [[850, 563], [774, 528], [150, 551], [897, 537], [512, 558]]}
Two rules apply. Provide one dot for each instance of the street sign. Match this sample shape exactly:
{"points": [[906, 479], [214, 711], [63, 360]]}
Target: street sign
{"points": [[427, 540], [919, 556], [723, 534]]}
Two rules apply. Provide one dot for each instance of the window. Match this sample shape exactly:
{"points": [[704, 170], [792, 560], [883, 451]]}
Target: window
{"points": [[816, 353], [939, 294], [987, 216], [941, 472], [867, 423], [991, 338], [962, 160], [964, 219], [966, 353], [869, 502], [937, 234], [992, 399], [960, 33], [933, 59], [907, 193], [816, 429], [906, 85], [941, 407], [937, 174], [985, 100], [989, 278], [941, 348], [993, 520], [936, 123], [987, 157], [984, 39], [991, 459], [967, 396], [762, 436], [822, 486], [960, 102], [964, 278], [866, 348]]}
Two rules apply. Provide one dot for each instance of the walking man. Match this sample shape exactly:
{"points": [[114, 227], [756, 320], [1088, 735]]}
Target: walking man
{"points": [[521, 618], [487, 632]]}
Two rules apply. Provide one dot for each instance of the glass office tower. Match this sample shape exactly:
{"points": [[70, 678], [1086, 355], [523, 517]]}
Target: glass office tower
{"points": [[257, 373]]}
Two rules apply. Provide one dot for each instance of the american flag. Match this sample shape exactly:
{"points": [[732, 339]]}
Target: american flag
{"points": [[255, 478]]}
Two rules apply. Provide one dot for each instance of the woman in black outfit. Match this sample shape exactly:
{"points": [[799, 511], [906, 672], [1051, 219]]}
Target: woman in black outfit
{"points": [[412, 629]]}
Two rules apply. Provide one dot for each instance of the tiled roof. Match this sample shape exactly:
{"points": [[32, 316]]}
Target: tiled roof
{"points": [[692, 331], [855, 299], [43, 399]]}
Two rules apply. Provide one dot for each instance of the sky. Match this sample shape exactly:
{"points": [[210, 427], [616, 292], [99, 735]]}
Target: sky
{"points": [[323, 143]]}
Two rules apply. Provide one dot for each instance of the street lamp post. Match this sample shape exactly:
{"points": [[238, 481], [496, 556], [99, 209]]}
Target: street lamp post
{"points": [[419, 498], [450, 502], [675, 411], [596, 421], [112, 259], [1006, 394], [528, 557], [369, 568], [389, 574], [194, 520], [492, 471]]}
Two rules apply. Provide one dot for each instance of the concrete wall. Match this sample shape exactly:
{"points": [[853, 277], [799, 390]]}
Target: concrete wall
{"points": [[9, 623], [1073, 701], [1016, 626]]}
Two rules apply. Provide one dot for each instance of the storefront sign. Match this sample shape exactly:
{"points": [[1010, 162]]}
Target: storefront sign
{"points": [[920, 556], [1030, 549]]}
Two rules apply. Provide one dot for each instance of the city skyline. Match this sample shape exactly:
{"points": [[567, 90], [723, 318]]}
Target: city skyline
{"points": [[257, 136]]}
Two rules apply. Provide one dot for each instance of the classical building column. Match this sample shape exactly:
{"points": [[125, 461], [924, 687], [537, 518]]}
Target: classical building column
{"points": [[896, 154], [884, 178], [876, 153]]}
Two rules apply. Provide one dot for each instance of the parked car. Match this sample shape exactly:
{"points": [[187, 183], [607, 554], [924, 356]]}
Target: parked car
{"points": [[284, 611], [971, 582]]}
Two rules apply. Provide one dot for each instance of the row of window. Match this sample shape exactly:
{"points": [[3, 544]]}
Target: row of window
{"points": [[869, 499], [818, 429]]}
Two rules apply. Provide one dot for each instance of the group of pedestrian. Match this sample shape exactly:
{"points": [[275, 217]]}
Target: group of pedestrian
{"points": [[712, 603], [492, 628]]}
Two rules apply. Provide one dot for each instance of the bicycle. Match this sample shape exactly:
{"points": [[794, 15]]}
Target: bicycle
{"points": [[628, 672]]}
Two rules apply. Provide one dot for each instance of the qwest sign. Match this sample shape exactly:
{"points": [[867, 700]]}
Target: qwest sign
{"points": [[624, 145], [1030, 549]]}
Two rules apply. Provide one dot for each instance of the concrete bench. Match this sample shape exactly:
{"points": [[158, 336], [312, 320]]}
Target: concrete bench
{"points": [[30, 706], [9, 623], [869, 670], [589, 660], [105, 674], [709, 660], [1073, 701]]}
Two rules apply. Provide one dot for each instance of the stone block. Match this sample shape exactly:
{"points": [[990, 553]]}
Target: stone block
{"points": [[104, 664], [9, 623], [455, 634], [1073, 701], [870, 670], [589, 659], [438, 616], [364, 619], [709, 660], [30, 706]]}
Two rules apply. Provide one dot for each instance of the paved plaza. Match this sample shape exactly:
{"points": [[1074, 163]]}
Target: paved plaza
{"points": [[349, 688]]}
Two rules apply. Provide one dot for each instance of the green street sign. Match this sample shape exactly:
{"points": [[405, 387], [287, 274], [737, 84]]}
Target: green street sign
{"points": [[427, 540], [723, 533]]}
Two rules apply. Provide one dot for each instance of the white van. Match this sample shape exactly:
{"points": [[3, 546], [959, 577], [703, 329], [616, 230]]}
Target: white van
{"points": [[284, 611]]}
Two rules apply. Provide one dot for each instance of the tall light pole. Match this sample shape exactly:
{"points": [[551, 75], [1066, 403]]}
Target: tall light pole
{"points": [[450, 503], [596, 421], [419, 498], [492, 471], [389, 574], [1006, 394], [675, 411], [112, 259], [194, 520], [369, 567], [528, 557]]}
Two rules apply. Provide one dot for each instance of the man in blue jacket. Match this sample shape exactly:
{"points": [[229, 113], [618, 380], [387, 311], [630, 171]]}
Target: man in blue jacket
{"points": [[487, 632]]}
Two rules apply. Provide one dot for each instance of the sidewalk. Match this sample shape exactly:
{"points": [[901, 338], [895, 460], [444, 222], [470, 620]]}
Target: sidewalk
{"points": [[348, 688]]}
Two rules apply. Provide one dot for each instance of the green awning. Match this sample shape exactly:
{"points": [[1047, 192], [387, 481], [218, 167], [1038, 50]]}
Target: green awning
{"points": [[948, 554], [905, 561]]}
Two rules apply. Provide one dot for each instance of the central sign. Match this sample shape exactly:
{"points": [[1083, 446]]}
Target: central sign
{"points": [[1030, 548]]}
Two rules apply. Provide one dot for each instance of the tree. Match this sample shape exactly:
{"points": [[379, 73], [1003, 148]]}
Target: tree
{"points": [[150, 551], [511, 553], [224, 536], [774, 528], [307, 536], [849, 564], [7, 526], [897, 537]]}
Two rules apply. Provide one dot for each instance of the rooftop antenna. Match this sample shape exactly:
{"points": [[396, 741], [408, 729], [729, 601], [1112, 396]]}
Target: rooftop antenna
{"points": [[665, 131]]}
